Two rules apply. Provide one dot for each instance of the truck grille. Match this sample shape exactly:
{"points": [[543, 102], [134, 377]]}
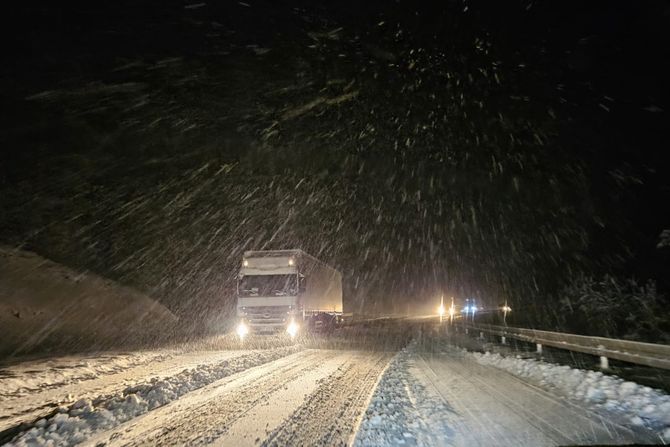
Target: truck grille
{"points": [[267, 315]]}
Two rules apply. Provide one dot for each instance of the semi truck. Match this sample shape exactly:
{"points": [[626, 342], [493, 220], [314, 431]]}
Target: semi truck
{"points": [[287, 291]]}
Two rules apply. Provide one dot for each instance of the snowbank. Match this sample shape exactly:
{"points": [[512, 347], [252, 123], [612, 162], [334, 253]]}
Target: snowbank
{"points": [[84, 418], [641, 405], [36, 375], [401, 412], [45, 305]]}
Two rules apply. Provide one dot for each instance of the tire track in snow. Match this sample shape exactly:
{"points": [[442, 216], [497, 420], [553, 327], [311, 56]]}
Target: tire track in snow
{"points": [[86, 418], [205, 416], [331, 413], [498, 406], [83, 381]]}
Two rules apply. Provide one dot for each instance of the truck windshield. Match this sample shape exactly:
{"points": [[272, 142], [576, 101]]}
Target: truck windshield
{"points": [[267, 285]]}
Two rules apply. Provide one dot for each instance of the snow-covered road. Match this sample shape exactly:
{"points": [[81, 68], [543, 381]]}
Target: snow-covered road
{"points": [[36, 388], [428, 393], [304, 398], [276, 397], [448, 398], [490, 407]]}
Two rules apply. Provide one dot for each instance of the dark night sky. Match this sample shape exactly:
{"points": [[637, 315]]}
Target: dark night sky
{"points": [[492, 149]]}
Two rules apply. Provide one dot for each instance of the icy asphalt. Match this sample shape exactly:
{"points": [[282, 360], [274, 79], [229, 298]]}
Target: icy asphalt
{"points": [[364, 394]]}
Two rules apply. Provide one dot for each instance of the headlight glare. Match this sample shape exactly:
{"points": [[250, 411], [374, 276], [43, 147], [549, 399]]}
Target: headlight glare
{"points": [[292, 329], [242, 330]]}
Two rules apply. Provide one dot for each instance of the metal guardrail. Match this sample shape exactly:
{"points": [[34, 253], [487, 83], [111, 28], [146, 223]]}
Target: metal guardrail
{"points": [[649, 354]]}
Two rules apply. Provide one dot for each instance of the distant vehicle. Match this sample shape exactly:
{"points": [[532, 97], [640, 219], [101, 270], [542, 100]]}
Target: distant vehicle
{"points": [[287, 290]]}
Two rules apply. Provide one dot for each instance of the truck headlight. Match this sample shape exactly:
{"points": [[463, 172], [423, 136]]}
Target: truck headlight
{"points": [[242, 330], [292, 329]]}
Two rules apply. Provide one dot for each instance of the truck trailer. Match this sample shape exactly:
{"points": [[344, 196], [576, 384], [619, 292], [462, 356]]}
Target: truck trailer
{"points": [[287, 291]]}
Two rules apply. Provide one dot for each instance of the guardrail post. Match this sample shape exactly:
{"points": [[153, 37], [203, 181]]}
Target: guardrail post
{"points": [[604, 362], [502, 340], [539, 348]]}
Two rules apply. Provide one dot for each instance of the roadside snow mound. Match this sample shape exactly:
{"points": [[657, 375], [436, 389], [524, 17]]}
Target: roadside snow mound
{"points": [[641, 405], [401, 412], [45, 305], [28, 377], [78, 422]]}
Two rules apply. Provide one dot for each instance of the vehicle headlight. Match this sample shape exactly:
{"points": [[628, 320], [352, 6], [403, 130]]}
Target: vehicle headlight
{"points": [[292, 329], [242, 330]]}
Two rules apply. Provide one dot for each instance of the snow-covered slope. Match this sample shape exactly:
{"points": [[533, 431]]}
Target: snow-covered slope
{"points": [[45, 305]]}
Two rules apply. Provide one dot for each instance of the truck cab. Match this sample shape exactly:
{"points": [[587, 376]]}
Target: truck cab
{"points": [[284, 290]]}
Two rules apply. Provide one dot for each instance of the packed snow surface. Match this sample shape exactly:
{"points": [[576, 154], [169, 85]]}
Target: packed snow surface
{"points": [[311, 397], [640, 405], [28, 377], [453, 397], [78, 422], [426, 396], [34, 389]]}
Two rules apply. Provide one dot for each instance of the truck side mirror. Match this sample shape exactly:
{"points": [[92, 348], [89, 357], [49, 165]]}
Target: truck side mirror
{"points": [[302, 284]]}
